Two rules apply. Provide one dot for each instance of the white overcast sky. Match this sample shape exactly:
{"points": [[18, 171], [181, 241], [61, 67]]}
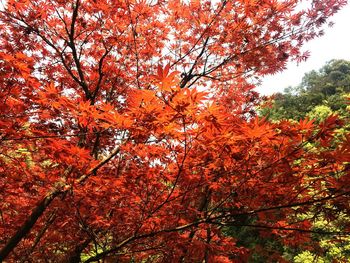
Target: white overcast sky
{"points": [[335, 44]]}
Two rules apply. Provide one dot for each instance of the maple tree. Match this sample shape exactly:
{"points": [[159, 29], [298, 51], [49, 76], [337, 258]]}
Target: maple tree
{"points": [[128, 130]]}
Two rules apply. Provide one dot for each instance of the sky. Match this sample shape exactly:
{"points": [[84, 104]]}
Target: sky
{"points": [[335, 44]]}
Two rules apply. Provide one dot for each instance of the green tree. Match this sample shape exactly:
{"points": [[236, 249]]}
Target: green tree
{"points": [[327, 87], [320, 94]]}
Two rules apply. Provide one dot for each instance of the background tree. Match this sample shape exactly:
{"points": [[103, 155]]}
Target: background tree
{"points": [[320, 91], [108, 151], [321, 94]]}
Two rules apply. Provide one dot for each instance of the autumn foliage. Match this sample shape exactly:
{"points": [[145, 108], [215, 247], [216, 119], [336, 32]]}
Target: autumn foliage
{"points": [[128, 131]]}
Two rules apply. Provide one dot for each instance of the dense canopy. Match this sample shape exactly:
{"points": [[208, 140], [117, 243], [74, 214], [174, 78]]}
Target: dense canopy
{"points": [[328, 87], [128, 131]]}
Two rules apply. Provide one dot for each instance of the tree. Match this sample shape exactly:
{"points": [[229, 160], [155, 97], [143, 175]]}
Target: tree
{"points": [[321, 94], [327, 87], [109, 150]]}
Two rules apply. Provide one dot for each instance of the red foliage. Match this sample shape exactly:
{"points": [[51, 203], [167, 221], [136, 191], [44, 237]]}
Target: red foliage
{"points": [[108, 154]]}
